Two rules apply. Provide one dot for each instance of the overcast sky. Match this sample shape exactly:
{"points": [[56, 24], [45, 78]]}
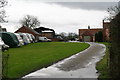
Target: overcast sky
{"points": [[60, 16]]}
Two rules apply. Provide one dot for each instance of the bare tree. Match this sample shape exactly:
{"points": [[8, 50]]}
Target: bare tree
{"points": [[30, 21], [63, 34], [3, 3], [72, 36], [5, 57], [68, 36], [113, 11]]}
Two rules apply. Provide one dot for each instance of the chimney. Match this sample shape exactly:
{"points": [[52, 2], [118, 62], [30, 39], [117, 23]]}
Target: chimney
{"points": [[89, 27], [103, 20]]}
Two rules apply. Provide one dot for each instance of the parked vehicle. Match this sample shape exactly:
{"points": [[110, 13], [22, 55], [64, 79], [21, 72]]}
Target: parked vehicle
{"points": [[30, 37], [44, 39], [3, 46], [10, 39], [33, 38], [25, 38], [21, 43]]}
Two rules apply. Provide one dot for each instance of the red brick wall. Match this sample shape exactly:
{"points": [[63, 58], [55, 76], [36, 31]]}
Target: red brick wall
{"points": [[106, 31], [48, 35], [91, 32]]}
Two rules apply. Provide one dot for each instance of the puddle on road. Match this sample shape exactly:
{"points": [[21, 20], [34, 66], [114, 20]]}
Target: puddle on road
{"points": [[59, 69], [53, 72]]}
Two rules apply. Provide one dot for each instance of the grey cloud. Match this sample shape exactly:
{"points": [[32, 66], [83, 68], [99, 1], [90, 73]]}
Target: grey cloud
{"points": [[86, 5], [74, 0]]}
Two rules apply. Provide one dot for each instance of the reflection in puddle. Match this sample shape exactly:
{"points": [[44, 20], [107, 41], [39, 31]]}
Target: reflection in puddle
{"points": [[81, 65]]}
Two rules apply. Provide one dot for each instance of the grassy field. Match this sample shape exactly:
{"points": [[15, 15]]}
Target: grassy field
{"points": [[102, 66], [31, 57]]}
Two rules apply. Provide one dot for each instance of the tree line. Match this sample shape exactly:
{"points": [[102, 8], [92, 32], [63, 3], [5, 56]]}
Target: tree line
{"points": [[114, 48]]}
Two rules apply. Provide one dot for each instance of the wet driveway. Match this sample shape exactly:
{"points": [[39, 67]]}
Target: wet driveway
{"points": [[81, 65]]}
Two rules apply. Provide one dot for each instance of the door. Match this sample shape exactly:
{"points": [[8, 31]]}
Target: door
{"points": [[87, 38]]}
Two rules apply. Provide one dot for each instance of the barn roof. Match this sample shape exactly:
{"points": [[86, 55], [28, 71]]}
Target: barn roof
{"points": [[25, 29]]}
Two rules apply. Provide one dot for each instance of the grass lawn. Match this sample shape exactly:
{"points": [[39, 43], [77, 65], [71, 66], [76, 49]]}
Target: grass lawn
{"points": [[35, 56], [102, 66]]}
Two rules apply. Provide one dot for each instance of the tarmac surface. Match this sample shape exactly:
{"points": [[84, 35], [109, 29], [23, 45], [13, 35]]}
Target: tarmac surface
{"points": [[80, 65]]}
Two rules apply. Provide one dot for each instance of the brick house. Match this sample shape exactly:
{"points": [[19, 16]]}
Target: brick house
{"points": [[25, 29], [88, 35]]}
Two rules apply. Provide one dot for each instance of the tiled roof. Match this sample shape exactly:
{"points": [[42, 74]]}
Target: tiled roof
{"points": [[89, 32], [24, 29], [41, 29]]}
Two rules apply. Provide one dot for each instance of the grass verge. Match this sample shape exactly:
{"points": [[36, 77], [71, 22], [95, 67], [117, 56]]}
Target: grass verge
{"points": [[102, 66], [31, 57]]}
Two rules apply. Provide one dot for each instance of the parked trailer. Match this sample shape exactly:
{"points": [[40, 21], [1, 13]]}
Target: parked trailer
{"points": [[25, 38], [33, 37], [30, 37], [21, 43], [3, 46], [10, 39]]}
